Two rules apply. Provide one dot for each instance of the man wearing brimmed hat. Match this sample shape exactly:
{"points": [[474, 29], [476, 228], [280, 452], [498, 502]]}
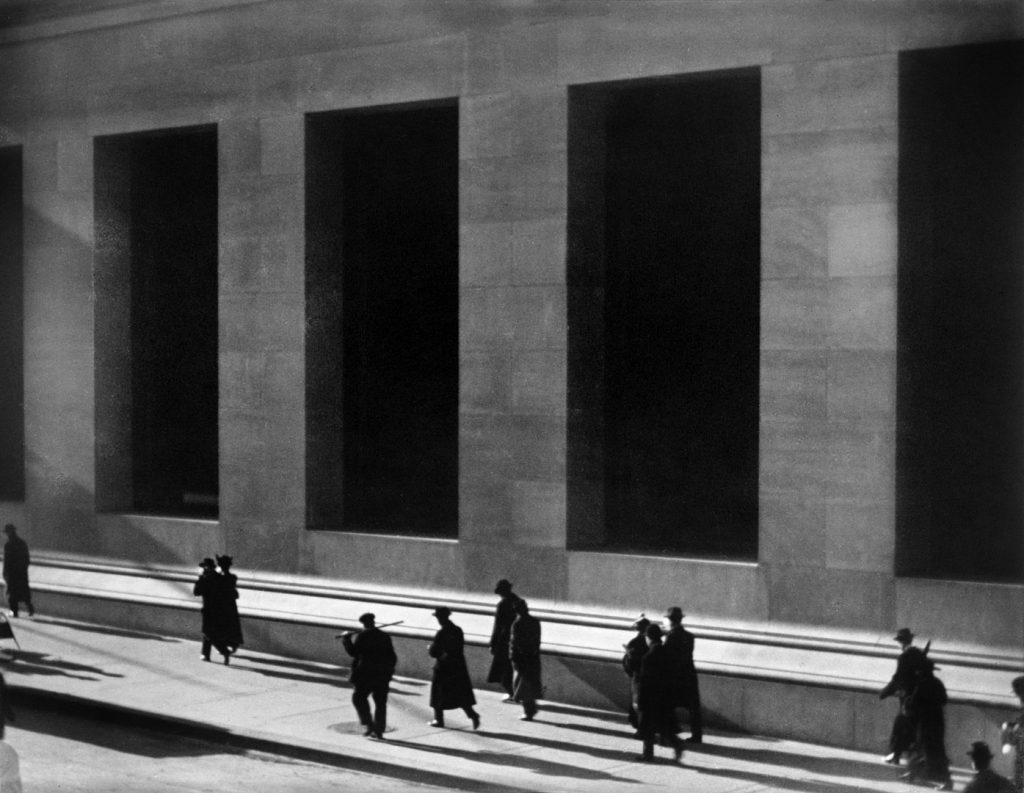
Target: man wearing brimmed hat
{"points": [[903, 681], [504, 615], [450, 686], [679, 648], [986, 780], [373, 666], [15, 571], [636, 649]]}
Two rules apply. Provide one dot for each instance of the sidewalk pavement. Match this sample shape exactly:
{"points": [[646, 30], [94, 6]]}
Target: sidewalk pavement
{"points": [[302, 709]]}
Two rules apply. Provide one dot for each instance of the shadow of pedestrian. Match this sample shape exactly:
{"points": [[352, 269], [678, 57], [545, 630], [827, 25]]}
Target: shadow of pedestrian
{"points": [[830, 766], [772, 782], [519, 760], [24, 662], [107, 631], [601, 752]]}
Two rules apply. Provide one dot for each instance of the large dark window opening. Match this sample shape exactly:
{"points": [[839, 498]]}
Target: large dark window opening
{"points": [[382, 333], [960, 401], [664, 302], [156, 217], [12, 336]]}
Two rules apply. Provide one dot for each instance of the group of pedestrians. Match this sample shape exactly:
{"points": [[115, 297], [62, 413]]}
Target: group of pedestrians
{"points": [[218, 587]]}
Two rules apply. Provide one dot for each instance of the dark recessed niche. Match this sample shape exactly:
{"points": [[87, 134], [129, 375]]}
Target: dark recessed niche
{"points": [[12, 336], [382, 331], [664, 314], [960, 313]]}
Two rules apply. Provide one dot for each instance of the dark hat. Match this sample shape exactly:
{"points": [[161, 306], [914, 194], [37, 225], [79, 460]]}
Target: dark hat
{"points": [[641, 624], [502, 586], [9, 529], [225, 561], [521, 607], [442, 611], [1018, 685], [653, 631], [207, 562], [367, 618], [903, 635], [675, 613], [980, 750]]}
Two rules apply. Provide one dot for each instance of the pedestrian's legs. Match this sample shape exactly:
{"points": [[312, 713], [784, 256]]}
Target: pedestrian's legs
{"points": [[206, 649], [696, 717], [13, 603], [648, 747], [31, 610], [380, 708], [438, 718], [360, 697], [507, 684], [473, 716]]}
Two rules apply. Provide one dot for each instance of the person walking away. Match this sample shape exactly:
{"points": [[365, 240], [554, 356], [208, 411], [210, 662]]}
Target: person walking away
{"points": [[636, 649], [524, 653], [504, 615], [1013, 737], [210, 588], [229, 592], [902, 683], [985, 780], [679, 644], [925, 705], [373, 666], [15, 571], [10, 769], [450, 686], [656, 686]]}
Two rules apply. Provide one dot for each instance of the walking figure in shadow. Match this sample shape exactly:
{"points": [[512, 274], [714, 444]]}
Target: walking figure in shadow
{"points": [[210, 587]]}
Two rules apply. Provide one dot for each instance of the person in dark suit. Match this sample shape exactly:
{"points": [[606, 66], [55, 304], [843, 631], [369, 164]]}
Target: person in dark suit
{"points": [[986, 780], [228, 602], [656, 686], [524, 653], [632, 658], [925, 705], [902, 683], [210, 588], [373, 666], [15, 571], [450, 686], [504, 615], [679, 647]]}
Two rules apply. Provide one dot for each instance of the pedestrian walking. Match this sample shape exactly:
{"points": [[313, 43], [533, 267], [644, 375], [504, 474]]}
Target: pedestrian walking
{"points": [[504, 615], [656, 687], [632, 658], [524, 653], [902, 683], [679, 644], [209, 586], [985, 780], [373, 666], [1013, 737], [228, 594], [450, 686], [925, 705], [15, 571]]}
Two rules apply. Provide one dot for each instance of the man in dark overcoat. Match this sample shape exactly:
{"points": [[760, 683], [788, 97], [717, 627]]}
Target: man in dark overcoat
{"points": [[910, 660], [655, 701], [210, 587], [16, 561], [636, 649], [450, 686], [524, 652], [926, 704], [373, 666], [985, 779], [504, 615], [232, 628], [679, 646]]}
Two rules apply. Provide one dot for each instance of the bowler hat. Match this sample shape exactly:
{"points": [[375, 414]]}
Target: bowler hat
{"points": [[225, 561], [208, 562], [367, 618], [502, 586], [641, 624], [980, 751], [903, 635], [675, 613], [442, 611]]}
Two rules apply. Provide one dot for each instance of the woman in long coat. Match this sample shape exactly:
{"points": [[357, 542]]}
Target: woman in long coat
{"points": [[925, 704], [655, 702], [210, 587], [231, 628], [450, 686], [524, 652], [632, 659]]}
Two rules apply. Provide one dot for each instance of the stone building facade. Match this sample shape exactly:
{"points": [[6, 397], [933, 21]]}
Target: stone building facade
{"points": [[799, 623]]}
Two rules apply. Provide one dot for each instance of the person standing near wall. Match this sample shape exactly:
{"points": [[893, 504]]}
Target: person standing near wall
{"points": [[209, 587], [15, 571], [524, 653], [902, 683], [657, 683], [373, 666], [679, 644], [450, 686], [229, 603], [632, 659], [926, 704], [504, 615]]}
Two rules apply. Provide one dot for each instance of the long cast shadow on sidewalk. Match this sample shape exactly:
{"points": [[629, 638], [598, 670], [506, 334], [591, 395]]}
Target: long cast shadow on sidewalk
{"points": [[784, 783], [25, 662], [518, 760], [830, 766], [123, 632]]}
